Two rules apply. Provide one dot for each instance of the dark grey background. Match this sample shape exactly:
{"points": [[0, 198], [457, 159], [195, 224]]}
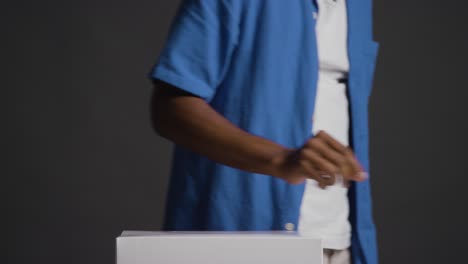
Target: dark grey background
{"points": [[81, 162]]}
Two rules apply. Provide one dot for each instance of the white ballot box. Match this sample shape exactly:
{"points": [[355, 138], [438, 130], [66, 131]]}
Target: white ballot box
{"points": [[176, 247]]}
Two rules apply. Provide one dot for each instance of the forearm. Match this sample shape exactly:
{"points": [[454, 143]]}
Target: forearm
{"points": [[190, 122]]}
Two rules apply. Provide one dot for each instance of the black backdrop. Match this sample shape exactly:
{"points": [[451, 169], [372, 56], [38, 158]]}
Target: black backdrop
{"points": [[81, 162]]}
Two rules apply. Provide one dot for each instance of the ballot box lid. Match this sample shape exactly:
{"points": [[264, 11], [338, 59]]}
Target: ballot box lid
{"points": [[210, 247]]}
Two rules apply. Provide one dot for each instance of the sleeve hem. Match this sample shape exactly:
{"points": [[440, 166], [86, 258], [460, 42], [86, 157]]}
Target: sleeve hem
{"points": [[189, 85]]}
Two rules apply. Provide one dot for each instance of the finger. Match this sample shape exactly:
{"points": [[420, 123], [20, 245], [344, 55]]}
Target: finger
{"points": [[358, 173], [327, 179], [322, 183], [319, 162], [352, 168], [313, 173], [332, 142], [339, 160], [355, 170]]}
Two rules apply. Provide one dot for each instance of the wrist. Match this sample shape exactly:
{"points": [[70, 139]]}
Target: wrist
{"points": [[277, 164]]}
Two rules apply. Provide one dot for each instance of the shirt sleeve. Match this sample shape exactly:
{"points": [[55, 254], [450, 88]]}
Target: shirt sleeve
{"points": [[198, 48]]}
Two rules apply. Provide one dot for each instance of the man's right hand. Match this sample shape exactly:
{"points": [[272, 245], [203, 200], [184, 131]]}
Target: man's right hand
{"points": [[321, 158], [191, 122]]}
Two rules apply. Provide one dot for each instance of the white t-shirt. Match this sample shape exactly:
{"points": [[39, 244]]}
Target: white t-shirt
{"points": [[324, 212]]}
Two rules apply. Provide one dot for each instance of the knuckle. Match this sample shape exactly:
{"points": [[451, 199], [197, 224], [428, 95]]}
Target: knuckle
{"points": [[330, 168], [341, 160], [335, 170], [307, 166], [348, 151], [323, 133], [312, 143], [312, 155]]}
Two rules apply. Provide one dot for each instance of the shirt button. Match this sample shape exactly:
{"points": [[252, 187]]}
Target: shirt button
{"points": [[289, 226]]}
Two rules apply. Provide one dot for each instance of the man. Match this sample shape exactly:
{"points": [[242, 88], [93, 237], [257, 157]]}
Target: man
{"points": [[266, 102]]}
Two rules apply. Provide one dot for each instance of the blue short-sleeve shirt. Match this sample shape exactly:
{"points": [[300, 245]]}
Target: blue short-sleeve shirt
{"points": [[255, 62]]}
